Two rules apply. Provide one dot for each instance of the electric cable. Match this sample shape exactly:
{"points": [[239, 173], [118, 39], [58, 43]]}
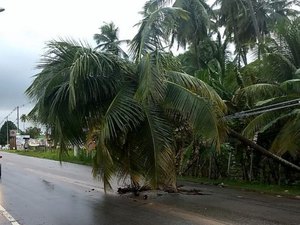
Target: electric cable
{"points": [[264, 109]]}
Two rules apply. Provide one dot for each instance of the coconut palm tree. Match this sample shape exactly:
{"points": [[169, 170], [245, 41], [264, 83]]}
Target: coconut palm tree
{"points": [[248, 22], [105, 94], [195, 29], [127, 106], [23, 118], [107, 40], [232, 14]]}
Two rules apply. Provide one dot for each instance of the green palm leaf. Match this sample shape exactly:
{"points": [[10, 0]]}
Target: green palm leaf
{"points": [[151, 86], [291, 86], [154, 31], [123, 114], [103, 164], [198, 87], [258, 92], [197, 103], [65, 88], [261, 123], [278, 67], [153, 5], [196, 109], [157, 151], [288, 137]]}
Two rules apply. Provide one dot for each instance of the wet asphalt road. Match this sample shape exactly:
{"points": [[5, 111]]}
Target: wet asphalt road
{"points": [[43, 192]]}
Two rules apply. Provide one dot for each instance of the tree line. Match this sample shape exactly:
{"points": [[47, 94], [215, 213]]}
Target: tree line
{"points": [[32, 131]]}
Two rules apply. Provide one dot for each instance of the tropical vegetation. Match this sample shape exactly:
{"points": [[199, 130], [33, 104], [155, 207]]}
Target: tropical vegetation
{"points": [[228, 105]]}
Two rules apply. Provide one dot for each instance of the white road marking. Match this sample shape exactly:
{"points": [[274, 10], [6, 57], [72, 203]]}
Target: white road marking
{"points": [[8, 216]]}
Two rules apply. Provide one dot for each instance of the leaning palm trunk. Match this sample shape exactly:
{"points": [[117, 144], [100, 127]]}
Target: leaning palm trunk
{"points": [[263, 150], [255, 24]]}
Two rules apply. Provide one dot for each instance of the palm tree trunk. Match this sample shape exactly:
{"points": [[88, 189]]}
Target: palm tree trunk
{"points": [[255, 24], [263, 150], [254, 20], [251, 165], [229, 164]]}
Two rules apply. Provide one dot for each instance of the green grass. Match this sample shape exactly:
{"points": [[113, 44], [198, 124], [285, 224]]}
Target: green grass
{"points": [[82, 158], [282, 190]]}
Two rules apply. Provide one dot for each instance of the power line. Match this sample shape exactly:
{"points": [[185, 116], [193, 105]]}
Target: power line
{"points": [[9, 114], [272, 105], [264, 109]]}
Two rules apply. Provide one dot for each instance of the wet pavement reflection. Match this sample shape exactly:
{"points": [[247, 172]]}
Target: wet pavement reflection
{"points": [[36, 191]]}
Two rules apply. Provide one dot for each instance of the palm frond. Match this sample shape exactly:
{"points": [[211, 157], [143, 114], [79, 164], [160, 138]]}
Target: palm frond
{"points": [[291, 86], [279, 67], [123, 114], [64, 90], [258, 92], [290, 31], [152, 5], [103, 164], [198, 110], [198, 87], [151, 76], [159, 163], [261, 123], [288, 137], [154, 31]]}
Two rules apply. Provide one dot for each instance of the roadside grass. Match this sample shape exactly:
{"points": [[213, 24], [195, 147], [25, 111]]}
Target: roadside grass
{"points": [[82, 158], [279, 190]]}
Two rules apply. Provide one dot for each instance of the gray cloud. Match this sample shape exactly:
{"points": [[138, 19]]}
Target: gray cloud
{"points": [[27, 25], [17, 68]]}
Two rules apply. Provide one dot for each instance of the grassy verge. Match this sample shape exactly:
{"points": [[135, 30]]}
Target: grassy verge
{"points": [[282, 190], [82, 158]]}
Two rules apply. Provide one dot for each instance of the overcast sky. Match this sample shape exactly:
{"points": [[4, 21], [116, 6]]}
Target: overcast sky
{"points": [[25, 27]]}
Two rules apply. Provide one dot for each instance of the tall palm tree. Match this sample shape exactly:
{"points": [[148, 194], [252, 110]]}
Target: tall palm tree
{"points": [[196, 28], [271, 13], [23, 118], [107, 40], [248, 21], [232, 14]]}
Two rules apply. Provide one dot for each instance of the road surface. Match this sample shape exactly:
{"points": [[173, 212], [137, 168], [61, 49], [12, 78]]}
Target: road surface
{"points": [[43, 192]]}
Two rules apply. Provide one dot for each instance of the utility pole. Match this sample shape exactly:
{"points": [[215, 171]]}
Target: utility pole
{"points": [[7, 140], [18, 120]]}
